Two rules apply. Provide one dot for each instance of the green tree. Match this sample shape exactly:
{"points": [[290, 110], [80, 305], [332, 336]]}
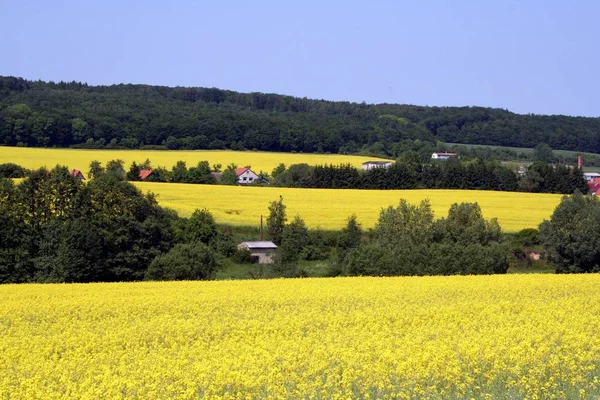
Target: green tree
{"points": [[572, 235], [276, 220], [200, 227], [542, 152], [96, 168], [229, 177], [115, 167], [404, 225], [350, 237], [185, 261], [293, 240], [465, 225]]}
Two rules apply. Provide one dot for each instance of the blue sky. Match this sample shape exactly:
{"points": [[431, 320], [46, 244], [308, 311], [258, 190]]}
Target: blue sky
{"points": [[526, 56]]}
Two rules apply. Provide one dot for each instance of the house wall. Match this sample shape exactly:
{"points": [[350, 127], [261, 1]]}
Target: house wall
{"points": [[265, 256], [247, 177], [371, 166]]}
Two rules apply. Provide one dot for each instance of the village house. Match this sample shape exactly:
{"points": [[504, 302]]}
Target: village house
{"points": [[245, 176], [261, 252], [77, 174], [376, 164], [442, 155]]}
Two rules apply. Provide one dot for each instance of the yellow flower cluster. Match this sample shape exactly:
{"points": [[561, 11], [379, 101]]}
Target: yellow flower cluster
{"points": [[526, 336], [32, 158], [330, 208]]}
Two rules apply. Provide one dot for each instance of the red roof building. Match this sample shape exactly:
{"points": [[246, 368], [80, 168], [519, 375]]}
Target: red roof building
{"points": [[240, 171], [77, 174], [145, 173]]}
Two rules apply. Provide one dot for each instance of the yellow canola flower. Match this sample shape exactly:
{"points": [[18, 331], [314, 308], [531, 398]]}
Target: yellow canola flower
{"points": [[32, 157], [492, 337], [330, 208]]}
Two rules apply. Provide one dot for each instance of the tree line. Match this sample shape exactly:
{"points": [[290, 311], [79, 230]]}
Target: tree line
{"points": [[56, 228], [74, 114], [450, 174]]}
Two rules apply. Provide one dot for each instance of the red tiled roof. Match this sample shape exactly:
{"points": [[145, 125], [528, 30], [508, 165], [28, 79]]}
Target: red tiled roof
{"points": [[77, 174], [144, 173], [240, 171]]}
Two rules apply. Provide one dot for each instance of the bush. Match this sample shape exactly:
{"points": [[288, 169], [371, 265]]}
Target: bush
{"points": [[188, 261], [10, 170], [314, 253], [242, 256]]}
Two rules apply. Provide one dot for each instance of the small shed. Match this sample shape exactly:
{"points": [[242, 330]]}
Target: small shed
{"points": [[77, 174], [262, 252]]}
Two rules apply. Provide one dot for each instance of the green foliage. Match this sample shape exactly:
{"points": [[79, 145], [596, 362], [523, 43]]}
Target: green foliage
{"points": [[276, 220], [572, 235], [229, 176], [407, 241], [96, 169], [54, 228], [11, 170], [349, 238], [186, 261], [201, 226], [542, 152], [293, 240], [115, 167], [242, 256], [404, 225], [42, 114], [528, 237]]}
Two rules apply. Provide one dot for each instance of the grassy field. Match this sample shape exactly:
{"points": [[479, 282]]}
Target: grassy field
{"points": [[482, 337], [329, 208], [528, 150], [80, 159]]}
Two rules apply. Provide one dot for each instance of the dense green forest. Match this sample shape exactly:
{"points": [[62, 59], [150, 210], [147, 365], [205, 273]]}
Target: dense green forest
{"points": [[45, 114]]}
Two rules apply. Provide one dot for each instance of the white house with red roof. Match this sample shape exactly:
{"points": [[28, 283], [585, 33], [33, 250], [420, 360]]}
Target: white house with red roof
{"points": [[245, 176]]}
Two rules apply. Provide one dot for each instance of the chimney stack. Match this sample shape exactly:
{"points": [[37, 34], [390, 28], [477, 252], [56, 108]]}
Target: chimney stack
{"points": [[580, 161]]}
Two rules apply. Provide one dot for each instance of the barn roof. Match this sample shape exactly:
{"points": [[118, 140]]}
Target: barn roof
{"points": [[77, 174], [259, 245], [144, 173]]}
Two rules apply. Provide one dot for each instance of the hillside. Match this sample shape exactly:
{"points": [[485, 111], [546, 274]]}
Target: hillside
{"points": [[47, 114]]}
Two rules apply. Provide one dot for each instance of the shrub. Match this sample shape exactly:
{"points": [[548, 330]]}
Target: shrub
{"points": [[187, 261]]}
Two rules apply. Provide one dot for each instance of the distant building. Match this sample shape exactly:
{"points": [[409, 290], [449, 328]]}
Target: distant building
{"points": [[77, 174], [145, 173], [442, 156], [261, 252], [245, 176], [590, 176], [376, 164]]}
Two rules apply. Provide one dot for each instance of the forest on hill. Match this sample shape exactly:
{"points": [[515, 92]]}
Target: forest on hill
{"points": [[74, 114]]}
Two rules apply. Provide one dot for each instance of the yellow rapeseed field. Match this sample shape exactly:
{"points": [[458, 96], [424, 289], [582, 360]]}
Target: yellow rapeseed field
{"points": [[80, 159], [330, 208], [483, 337]]}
